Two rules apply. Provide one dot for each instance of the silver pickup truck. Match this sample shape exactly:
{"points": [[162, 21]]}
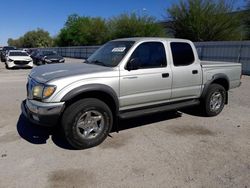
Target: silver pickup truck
{"points": [[123, 79]]}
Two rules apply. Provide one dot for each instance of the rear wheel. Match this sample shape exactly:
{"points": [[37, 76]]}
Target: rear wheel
{"points": [[86, 123], [214, 100], [40, 62]]}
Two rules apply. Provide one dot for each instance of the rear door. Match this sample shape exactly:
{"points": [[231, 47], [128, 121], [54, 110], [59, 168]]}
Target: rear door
{"points": [[187, 73], [151, 82]]}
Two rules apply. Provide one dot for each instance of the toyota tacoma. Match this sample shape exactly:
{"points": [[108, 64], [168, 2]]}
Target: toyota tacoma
{"points": [[125, 78]]}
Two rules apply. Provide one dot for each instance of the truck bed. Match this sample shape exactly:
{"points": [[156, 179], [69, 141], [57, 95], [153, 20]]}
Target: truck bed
{"points": [[231, 70], [208, 64]]}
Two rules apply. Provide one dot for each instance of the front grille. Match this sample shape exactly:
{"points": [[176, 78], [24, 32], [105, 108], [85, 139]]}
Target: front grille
{"points": [[21, 62], [54, 60]]}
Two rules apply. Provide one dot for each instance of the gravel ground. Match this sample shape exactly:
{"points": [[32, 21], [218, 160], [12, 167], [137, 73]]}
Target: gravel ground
{"points": [[163, 150]]}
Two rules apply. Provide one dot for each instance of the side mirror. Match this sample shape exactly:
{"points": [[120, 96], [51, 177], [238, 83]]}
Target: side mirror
{"points": [[133, 64]]}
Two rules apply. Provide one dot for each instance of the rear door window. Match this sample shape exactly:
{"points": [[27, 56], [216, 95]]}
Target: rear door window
{"points": [[182, 53]]}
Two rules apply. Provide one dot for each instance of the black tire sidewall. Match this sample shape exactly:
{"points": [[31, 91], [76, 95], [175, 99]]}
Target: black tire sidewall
{"points": [[71, 116], [212, 89]]}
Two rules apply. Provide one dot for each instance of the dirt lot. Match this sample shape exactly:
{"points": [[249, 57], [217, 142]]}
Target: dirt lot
{"points": [[164, 150]]}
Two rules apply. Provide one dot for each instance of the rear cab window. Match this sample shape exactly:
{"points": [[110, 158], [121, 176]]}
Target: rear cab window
{"points": [[182, 53]]}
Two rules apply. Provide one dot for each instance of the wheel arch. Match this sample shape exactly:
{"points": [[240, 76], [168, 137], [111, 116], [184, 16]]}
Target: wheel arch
{"points": [[220, 79], [99, 91]]}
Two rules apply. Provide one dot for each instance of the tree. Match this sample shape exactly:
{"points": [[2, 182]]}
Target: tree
{"points": [[132, 25], [33, 39], [204, 20], [95, 31], [11, 42], [247, 20], [16, 42], [82, 31]]}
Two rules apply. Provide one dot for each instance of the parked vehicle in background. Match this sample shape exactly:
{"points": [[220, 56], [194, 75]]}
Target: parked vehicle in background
{"points": [[4, 52], [42, 57], [24, 49], [30, 51], [1, 49], [18, 58], [123, 79], [33, 53]]}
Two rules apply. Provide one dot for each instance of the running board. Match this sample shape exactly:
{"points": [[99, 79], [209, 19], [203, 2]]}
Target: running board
{"points": [[159, 108]]}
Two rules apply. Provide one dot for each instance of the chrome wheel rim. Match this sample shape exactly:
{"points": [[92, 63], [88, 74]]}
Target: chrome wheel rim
{"points": [[216, 101], [90, 124]]}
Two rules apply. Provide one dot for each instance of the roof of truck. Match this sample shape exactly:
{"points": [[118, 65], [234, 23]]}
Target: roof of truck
{"points": [[138, 39]]}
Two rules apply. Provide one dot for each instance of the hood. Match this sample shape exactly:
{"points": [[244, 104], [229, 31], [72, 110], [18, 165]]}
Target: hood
{"points": [[20, 58], [45, 73]]}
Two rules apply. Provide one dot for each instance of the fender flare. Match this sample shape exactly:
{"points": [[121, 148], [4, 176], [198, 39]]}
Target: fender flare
{"points": [[93, 88], [214, 78]]}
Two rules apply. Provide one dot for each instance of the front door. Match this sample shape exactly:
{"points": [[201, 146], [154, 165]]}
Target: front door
{"points": [[151, 82]]}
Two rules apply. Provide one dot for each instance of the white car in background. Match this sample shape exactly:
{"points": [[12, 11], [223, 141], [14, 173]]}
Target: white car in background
{"points": [[18, 58]]}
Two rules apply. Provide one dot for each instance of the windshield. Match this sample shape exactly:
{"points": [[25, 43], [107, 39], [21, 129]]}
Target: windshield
{"points": [[111, 53], [34, 52], [18, 54], [49, 53]]}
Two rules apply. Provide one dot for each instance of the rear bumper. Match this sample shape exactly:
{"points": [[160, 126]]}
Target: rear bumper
{"points": [[44, 114]]}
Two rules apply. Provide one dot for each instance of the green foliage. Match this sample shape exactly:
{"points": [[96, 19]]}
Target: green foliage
{"points": [[132, 25], [82, 31], [247, 20], [204, 20], [32, 39], [95, 31]]}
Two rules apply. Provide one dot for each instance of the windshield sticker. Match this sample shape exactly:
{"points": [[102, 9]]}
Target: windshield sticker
{"points": [[119, 49]]}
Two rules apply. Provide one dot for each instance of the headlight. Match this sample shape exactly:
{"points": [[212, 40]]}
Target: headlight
{"points": [[47, 60], [62, 60], [37, 92], [48, 91], [10, 60], [43, 92]]}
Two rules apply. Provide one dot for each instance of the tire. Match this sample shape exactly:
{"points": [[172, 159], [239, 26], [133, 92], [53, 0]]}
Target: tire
{"points": [[40, 62], [214, 101], [7, 67], [81, 117]]}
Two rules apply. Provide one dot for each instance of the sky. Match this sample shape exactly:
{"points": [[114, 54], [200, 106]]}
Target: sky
{"points": [[19, 16]]}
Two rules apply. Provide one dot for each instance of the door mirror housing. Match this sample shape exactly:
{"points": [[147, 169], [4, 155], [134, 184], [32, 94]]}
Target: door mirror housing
{"points": [[133, 64]]}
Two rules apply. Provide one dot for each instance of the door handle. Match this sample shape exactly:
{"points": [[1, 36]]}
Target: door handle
{"points": [[130, 77], [165, 75], [195, 72]]}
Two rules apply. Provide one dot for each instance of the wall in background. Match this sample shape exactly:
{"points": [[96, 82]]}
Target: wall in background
{"points": [[228, 51]]}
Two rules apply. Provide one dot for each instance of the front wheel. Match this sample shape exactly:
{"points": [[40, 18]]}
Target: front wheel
{"points": [[214, 100], [86, 123], [7, 67]]}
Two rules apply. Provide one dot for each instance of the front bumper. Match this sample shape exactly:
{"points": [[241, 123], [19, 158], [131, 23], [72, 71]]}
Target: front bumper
{"points": [[12, 64], [44, 114]]}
